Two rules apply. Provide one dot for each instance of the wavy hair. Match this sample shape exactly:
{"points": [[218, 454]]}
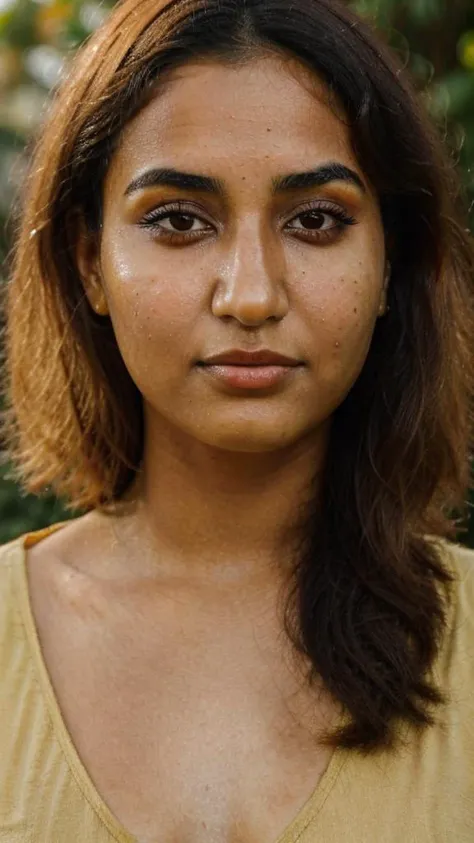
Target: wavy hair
{"points": [[367, 604]]}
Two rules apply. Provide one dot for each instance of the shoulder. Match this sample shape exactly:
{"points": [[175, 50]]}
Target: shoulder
{"points": [[10, 552], [13, 630], [14, 596], [456, 658], [462, 557], [460, 562], [11, 560], [13, 553]]}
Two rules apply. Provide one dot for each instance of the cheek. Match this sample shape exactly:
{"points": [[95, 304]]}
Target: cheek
{"points": [[140, 284], [353, 306], [343, 301], [341, 316], [340, 290], [152, 307]]}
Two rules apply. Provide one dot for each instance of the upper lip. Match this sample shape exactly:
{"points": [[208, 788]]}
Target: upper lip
{"points": [[239, 357]]}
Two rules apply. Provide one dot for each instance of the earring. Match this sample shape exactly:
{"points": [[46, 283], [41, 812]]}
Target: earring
{"points": [[101, 308], [98, 300]]}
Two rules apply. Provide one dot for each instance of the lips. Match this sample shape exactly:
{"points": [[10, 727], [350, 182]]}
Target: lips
{"points": [[239, 357], [239, 371]]}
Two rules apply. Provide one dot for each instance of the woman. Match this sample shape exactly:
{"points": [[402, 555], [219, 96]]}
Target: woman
{"points": [[239, 337]]}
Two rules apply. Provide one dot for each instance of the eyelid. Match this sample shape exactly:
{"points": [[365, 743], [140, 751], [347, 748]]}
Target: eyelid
{"points": [[182, 207], [328, 206], [325, 205], [174, 207]]}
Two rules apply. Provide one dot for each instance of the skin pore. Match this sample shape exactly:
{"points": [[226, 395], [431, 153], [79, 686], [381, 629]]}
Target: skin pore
{"points": [[159, 628]]}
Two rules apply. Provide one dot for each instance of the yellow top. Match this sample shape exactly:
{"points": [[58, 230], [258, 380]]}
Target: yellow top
{"points": [[423, 794]]}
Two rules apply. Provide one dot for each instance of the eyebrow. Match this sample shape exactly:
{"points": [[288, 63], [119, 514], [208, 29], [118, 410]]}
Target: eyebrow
{"points": [[169, 177]]}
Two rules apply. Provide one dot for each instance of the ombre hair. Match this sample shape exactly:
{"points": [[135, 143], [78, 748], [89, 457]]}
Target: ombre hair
{"points": [[367, 605]]}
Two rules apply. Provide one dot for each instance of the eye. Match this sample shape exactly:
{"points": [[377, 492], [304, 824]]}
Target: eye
{"points": [[315, 221], [175, 222], [321, 221], [180, 223]]}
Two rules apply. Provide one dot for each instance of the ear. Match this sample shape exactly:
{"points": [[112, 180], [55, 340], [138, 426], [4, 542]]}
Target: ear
{"points": [[87, 253], [384, 307]]}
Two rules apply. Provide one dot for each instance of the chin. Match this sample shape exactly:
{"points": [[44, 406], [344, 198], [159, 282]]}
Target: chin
{"points": [[250, 441]]}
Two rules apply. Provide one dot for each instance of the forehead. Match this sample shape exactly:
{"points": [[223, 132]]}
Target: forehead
{"points": [[270, 112]]}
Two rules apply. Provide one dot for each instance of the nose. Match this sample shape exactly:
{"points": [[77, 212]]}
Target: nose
{"points": [[251, 286]]}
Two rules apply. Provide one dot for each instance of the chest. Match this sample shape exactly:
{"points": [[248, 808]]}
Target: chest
{"points": [[191, 727]]}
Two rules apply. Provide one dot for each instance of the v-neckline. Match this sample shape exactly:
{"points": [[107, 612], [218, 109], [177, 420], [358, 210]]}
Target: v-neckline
{"points": [[307, 813]]}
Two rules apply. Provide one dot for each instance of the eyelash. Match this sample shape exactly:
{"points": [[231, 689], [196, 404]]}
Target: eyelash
{"points": [[151, 220]]}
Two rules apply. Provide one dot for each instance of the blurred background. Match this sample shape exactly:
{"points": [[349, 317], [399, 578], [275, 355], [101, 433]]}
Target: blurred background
{"points": [[435, 39]]}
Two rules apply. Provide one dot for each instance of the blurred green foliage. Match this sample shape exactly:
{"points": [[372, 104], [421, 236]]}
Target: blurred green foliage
{"points": [[434, 38]]}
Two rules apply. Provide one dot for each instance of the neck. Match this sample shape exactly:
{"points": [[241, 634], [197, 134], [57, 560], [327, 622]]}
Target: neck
{"points": [[215, 516]]}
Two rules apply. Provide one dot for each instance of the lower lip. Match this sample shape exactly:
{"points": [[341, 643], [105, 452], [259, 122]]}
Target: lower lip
{"points": [[249, 377]]}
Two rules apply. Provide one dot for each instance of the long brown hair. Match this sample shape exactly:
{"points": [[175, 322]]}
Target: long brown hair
{"points": [[366, 604]]}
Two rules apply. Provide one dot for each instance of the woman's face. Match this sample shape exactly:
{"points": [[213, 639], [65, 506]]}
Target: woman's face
{"points": [[250, 256]]}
